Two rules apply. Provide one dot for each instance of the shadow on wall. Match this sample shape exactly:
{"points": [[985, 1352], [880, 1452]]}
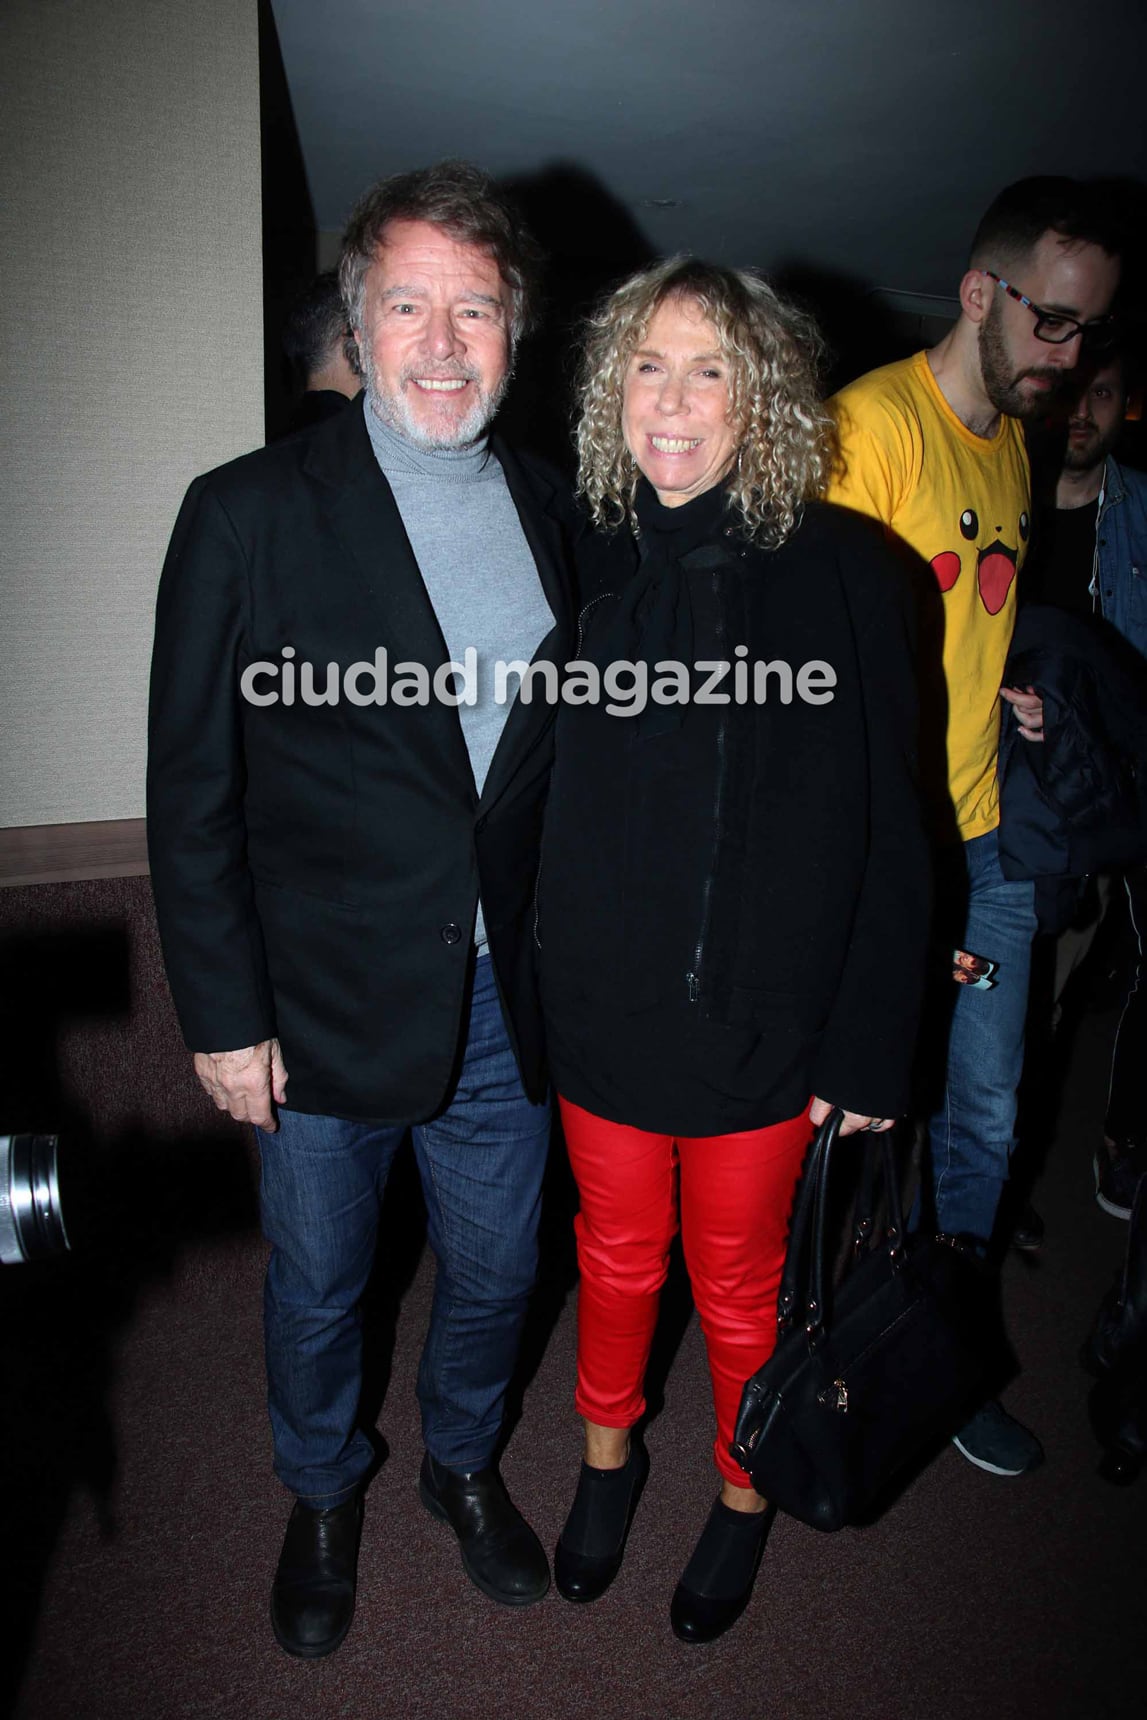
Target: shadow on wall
{"points": [[89, 1050], [860, 331], [591, 242], [289, 235]]}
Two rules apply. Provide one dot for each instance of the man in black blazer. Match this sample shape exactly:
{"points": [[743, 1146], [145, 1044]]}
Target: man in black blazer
{"points": [[343, 834]]}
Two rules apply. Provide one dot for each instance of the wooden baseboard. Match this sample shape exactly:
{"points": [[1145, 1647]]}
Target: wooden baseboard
{"points": [[63, 853]]}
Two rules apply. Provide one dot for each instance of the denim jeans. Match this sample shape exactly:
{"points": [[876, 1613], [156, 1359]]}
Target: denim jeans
{"points": [[481, 1161], [971, 1132]]}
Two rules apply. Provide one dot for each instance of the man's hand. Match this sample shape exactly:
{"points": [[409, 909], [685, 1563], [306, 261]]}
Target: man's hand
{"points": [[244, 1082], [1028, 706], [854, 1121]]}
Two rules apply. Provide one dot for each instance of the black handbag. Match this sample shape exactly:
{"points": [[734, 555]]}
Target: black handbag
{"points": [[869, 1375]]}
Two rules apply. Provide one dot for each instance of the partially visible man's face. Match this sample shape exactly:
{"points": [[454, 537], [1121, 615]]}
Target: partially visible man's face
{"points": [[1021, 374], [435, 336], [1095, 419]]}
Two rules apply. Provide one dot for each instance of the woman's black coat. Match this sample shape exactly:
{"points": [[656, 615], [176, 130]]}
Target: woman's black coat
{"points": [[733, 911]]}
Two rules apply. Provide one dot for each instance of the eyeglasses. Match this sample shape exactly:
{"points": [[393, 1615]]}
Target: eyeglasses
{"points": [[1057, 330]]}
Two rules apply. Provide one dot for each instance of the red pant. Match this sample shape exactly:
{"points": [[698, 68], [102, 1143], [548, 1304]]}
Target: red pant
{"points": [[736, 1196]]}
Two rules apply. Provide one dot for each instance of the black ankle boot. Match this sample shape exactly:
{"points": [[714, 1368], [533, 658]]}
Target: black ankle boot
{"points": [[500, 1552], [591, 1546], [312, 1598], [716, 1584]]}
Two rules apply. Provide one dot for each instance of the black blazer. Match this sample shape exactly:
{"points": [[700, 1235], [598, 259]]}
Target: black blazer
{"points": [[316, 869]]}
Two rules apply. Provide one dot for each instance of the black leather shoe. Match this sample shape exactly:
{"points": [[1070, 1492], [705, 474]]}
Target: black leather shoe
{"points": [[591, 1546], [312, 1597], [500, 1552], [718, 1580]]}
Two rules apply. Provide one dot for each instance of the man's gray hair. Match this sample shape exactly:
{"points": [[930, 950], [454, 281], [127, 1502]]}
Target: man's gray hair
{"points": [[464, 202]]}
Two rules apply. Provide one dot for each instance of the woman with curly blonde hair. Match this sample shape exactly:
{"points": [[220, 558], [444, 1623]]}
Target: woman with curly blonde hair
{"points": [[733, 896], [771, 350]]}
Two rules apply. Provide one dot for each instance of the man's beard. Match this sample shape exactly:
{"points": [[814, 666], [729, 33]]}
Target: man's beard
{"points": [[1002, 384], [394, 409], [1085, 456]]}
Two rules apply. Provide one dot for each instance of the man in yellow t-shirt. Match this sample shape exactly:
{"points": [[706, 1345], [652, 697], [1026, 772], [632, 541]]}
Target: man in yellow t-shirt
{"points": [[933, 448]]}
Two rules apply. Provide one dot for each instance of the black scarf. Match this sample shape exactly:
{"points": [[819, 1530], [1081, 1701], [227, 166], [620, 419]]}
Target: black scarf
{"points": [[654, 618]]}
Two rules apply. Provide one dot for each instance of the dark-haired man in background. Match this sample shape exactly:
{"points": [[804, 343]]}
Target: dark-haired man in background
{"points": [[1091, 559], [321, 350], [345, 882], [933, 447]]}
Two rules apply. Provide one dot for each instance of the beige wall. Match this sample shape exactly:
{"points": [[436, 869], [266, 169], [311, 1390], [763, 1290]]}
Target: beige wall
{"points": [[132, 358]]}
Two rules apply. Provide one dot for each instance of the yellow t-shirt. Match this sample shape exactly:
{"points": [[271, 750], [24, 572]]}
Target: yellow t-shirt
{"points": [[961, 502]]}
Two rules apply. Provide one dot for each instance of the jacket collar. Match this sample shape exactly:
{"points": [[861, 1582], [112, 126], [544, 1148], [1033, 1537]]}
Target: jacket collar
{"points": [[366, 517], [536, 499], [340, 456], [1113, 489]]}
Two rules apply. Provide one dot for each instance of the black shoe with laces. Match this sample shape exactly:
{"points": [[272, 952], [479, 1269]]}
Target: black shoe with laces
{"points": [[717, 1582], [592, 1544]]}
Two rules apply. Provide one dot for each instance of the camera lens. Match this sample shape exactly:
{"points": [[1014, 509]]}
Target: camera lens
{"points": [[31, 1222]]}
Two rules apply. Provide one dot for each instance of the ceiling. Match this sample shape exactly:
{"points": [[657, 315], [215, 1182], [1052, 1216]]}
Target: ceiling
{"points": [[856, 140]]}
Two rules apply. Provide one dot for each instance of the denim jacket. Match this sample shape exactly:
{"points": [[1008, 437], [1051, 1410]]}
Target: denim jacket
{"points": [[1120, 576]]}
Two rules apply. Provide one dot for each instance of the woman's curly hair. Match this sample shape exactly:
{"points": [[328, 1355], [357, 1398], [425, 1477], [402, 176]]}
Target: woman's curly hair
{"points": [[773, 351]]}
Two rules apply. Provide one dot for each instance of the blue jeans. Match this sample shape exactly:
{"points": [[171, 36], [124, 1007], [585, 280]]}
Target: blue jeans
{"points": [[481, 1161], [972, 1130]]}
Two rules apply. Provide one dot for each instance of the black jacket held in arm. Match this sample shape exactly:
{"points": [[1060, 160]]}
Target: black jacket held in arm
{"points": [[1075, 803], [733, 908], [316, 868]]}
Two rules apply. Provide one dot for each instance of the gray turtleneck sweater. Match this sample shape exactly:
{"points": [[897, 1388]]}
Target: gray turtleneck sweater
{"points": [[476, 566]]}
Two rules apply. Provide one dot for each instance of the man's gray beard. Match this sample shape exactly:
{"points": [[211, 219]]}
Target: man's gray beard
{"points": [[1001, 385], [394, 410]]}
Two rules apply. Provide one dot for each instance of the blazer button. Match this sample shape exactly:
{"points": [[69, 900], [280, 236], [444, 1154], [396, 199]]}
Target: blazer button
{"points": [[451, 934]]}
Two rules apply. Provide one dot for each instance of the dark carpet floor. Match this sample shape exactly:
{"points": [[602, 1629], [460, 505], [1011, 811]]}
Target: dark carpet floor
{"points": [[144, 1524]]}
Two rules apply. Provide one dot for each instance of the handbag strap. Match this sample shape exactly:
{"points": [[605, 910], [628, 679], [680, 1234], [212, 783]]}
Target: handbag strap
{"points": [[814, 1309], [864, 1207], [793, 1289], [894, 1229], [878, 1157], [816, 1305]]}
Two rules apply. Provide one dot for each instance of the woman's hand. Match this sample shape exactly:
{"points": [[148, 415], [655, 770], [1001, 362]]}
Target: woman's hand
{"points": [[1028, 706], [854, 1121]]}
